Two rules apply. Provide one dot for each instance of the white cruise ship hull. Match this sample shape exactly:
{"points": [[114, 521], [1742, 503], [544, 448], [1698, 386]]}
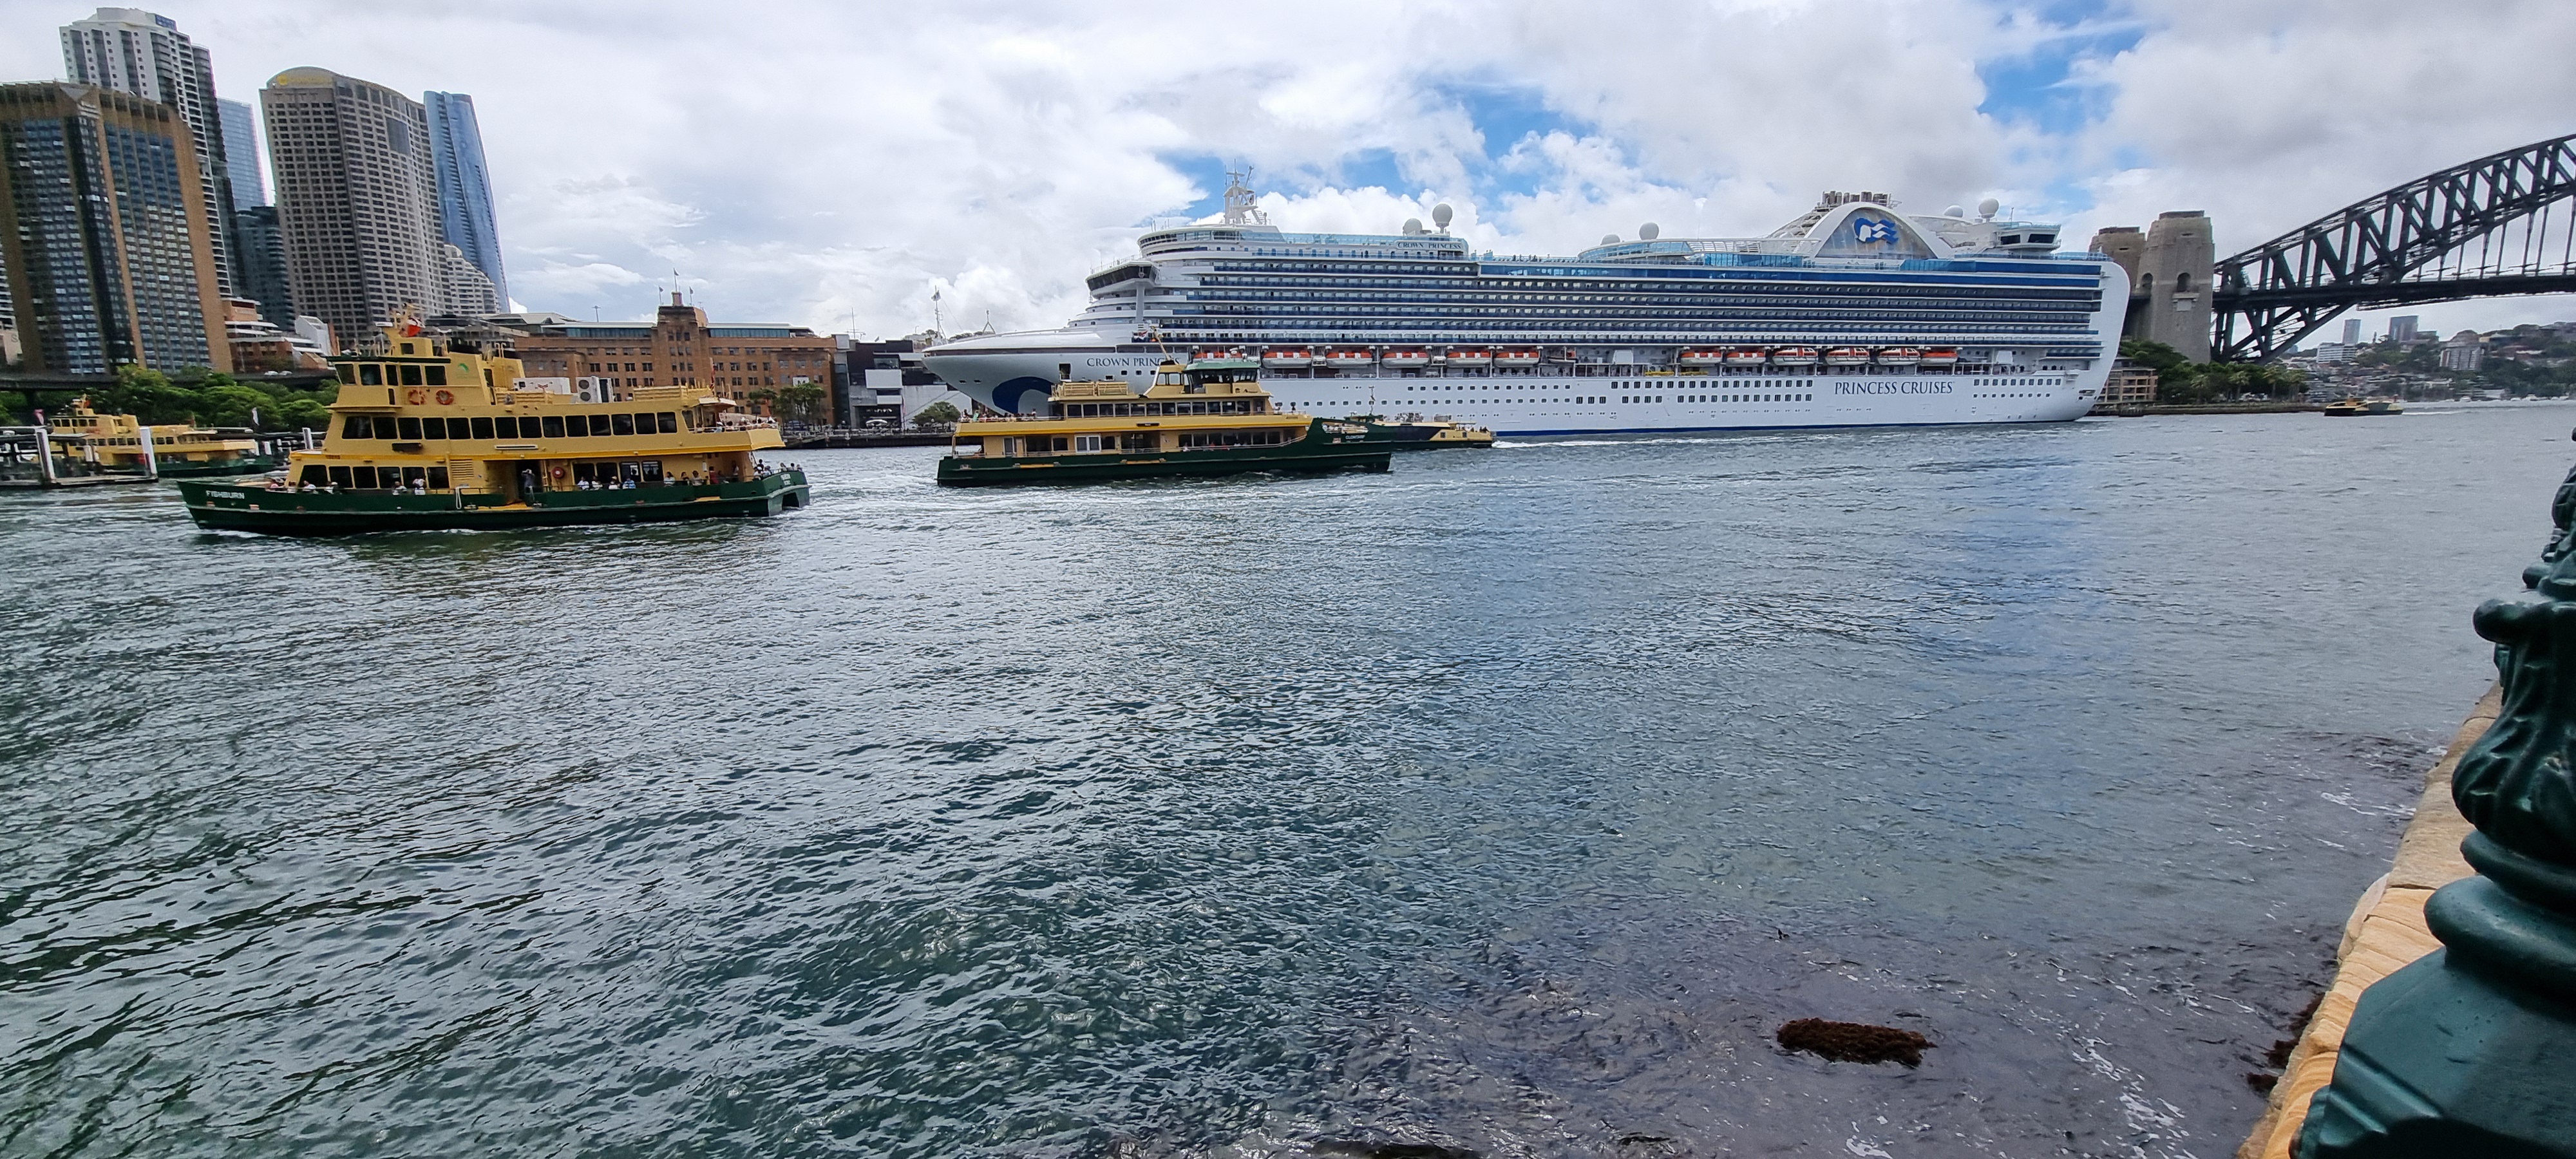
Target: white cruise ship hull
{"points": [[1014, 373]]}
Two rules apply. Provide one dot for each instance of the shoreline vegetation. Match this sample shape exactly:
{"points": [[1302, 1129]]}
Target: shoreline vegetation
{"points": [[209, 399]]}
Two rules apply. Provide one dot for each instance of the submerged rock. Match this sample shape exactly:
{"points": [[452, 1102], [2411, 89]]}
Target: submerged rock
{"points": [[1854, 1041]]}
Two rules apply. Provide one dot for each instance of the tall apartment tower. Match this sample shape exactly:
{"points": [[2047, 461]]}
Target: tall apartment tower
{"points": [[465, 188], [144, 53], [2169, 269], [102, 228], [356, 202], [2352, 331]]}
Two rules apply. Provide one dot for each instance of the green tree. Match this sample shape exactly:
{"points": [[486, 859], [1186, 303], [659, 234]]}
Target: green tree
{"points": [[801, 402], [937, 414]]}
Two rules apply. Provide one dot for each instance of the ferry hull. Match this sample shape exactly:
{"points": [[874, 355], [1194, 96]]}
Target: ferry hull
{"points": [[238, 508], [1058, 469]]}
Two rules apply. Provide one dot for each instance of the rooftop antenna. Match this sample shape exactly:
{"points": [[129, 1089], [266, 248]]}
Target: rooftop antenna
{"points": [[934, 311], [1241, 207]]}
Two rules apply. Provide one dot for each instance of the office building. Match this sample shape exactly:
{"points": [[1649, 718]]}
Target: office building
{"points": [[679, 347], [2169, 269], [464, 188], [356, 204], [144, 54], [2352, 332], [102, 228], [2403, 329], [463, 288], [260, 253], [241, 154]]}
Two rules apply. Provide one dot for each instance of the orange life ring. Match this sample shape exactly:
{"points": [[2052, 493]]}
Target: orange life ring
{"points": [[444, 398], [416, 396]]}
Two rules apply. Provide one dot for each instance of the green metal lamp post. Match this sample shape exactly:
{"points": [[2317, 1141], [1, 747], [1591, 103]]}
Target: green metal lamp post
{"points": [[2471, 1051]]}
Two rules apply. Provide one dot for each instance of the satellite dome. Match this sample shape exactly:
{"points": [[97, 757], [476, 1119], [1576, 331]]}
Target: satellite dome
{"points": [[1647, 232], [1954, 211], [1440, 215], [1988, 207], [1609, 239], [1412, 225]]}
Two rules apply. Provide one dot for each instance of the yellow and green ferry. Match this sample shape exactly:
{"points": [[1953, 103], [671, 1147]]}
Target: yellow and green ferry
{"points": [[120, 443], [434, 435], [1210, 417]]}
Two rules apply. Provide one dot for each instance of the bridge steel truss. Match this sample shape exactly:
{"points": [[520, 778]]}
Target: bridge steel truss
{"points": [[2485, 228]]}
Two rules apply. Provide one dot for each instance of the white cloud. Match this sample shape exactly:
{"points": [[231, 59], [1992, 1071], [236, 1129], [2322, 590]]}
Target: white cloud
{"points": [[832, 164]]}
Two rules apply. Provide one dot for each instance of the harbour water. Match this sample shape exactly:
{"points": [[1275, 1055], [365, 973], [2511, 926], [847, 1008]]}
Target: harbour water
{"points": [[1506, 802]]}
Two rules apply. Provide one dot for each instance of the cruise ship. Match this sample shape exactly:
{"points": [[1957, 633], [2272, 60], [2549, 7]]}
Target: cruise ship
{"points": [[1852, 315]]}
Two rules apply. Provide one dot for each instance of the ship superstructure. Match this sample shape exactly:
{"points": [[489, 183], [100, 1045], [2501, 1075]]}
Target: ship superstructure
{"points": [[1851, 315]]}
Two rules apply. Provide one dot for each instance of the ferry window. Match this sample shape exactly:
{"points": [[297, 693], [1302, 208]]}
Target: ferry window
{"points": [[438, 375], [409, 428], [669, 422], [348, 373], [505, 427], [577, 426], [1086, 443], [438, 478], [416, 476], [410, 375], [371, 374], [365, 478], [554, 426], [652, 471], [459, 429], [621, 424], [585, 473], [340, 477], [314, 474], [1059, 442], [357, 427], [483, 430]]}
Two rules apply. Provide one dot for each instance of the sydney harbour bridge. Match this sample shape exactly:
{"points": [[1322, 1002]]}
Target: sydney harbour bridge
{"points": [[2502, 224]]}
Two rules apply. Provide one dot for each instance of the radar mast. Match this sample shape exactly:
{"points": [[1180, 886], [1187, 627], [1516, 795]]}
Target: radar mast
{"points": [[1240, 208]]}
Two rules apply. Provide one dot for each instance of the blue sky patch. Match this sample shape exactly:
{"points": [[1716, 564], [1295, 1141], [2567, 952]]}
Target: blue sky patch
{"points": [[2039, 87]]}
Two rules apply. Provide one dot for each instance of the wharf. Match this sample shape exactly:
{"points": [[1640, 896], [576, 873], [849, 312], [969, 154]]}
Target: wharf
{"points": [[843, 438], [2216, 408], [2385, 934]]}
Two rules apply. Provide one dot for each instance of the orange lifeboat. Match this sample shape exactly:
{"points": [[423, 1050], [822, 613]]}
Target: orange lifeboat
{"points": [[1470, 356], [1847, 356], [1794, 356], [1940, 356], [1746, 356], [1899, 356], [1517, 356], [1411, 358], [1349, 358], [1287, 358], [1703, 357]]}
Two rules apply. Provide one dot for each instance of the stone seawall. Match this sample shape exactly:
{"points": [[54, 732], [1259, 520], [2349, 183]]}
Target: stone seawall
{"points": [[2386, 933]]}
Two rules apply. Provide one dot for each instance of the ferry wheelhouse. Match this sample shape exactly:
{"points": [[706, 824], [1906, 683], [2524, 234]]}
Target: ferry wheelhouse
{"points": [[439, 435], [1645, 335]]}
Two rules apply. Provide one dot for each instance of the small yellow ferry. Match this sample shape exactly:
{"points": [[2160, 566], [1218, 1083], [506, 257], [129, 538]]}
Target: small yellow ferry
{"points": [[1210, 417], [117, 442], [435, 434]]}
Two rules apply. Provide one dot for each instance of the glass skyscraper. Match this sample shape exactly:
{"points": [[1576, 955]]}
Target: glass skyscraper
{"points": [[103, 206], [241, 154], [464, 187]]}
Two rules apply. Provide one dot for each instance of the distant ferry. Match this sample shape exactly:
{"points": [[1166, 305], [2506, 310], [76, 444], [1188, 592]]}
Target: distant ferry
{"points": [[1852, 315]]}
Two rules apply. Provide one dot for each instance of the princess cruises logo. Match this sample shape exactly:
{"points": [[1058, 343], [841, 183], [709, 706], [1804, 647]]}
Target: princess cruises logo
{"points": [[1869, 229]]}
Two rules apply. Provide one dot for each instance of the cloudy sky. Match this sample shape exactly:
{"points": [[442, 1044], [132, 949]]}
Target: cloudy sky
{"points": [[833, 163]]}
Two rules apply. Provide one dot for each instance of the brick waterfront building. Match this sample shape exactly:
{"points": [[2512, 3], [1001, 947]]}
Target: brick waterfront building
{"points": [[679, 347]]}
